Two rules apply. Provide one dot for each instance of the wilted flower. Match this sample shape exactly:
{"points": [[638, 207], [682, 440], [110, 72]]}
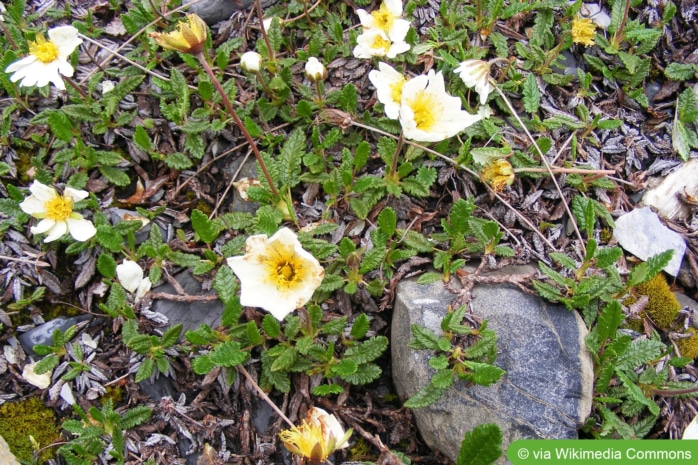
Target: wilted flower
{"points": [[243, 185], [388, 83], [476, 74], [387, 18], [498, 174], [56, 212], [47, 59], [428, 113], [319, 435], [691, 431], [41, 381], [267, 22], [189, 37], [594, 12], [251, 62], [314, 70], [583, 31], [130, 276], [376, 43], [276, 273]]}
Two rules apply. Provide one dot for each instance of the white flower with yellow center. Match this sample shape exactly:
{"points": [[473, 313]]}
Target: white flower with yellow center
{"points": [[387, 18], [476, 74], [376, 43], [56, 213], [428, 113], [130, 276], [388, 83], [318, 436], [276, 273], [47, 59]]}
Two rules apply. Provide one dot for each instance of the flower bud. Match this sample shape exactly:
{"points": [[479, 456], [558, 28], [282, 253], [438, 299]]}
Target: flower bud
{"points": [[251, 62], [314, 70], [189, 37]]}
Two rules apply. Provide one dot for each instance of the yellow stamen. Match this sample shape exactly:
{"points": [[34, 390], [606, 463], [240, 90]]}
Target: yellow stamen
{"points": [[45, 51], [383, 18], [285, 269], [425, 110], [58, 208], [583, 31], [396, 89], [380, 43]]}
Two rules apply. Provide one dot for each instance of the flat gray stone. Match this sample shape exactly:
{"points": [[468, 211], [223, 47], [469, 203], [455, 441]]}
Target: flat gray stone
{"points": [[6, 457], [642, 234], [212, 11], [548, 386], [664, 197], [43, 334]]}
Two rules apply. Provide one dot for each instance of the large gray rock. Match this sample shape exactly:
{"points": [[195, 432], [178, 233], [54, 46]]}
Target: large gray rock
{"points": [[548, 386], [642, 234], [213, 11]]}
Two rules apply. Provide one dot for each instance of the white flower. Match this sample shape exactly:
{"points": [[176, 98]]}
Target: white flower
{"points": [[47, 60], [691, 431], [428, 113], [41, 381], [376, 43], [388, 18], [251, 62], [107, 86], [318, 436], [2, 10], [476, 74], [388, 83], [314, 70], [130, 276], [276, 274], [56, 213]]}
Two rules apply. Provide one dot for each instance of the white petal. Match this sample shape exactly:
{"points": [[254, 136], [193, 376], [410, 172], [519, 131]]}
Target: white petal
{"points": [[399, 30], [57, 231], [365, 18], [67, 394], [42, 191], [394, 6], [66, 40], [32, 206], [43, 226], [75, 194], [130, 275], [80, 228], [691, 431], [143, 289], [19, 64], [41, 381]]}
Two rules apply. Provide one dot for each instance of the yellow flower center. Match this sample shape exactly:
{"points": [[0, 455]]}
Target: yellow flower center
{"points": [[307, 441], [58, 208], [45, 51], [285, 268], [380, 43], [425, 110], [396, 90], [383, 18], [583, 31]]}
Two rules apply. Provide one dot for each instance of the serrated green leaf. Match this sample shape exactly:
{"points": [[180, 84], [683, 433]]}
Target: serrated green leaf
{"points": [[425, 397], [360, 326], [443, 379], [284, 360], [327, 389], [481, 446], [204, 228], [387, 221], [106, 265], [368, 350], [146, 370], [228, 354], [225, 284], [483, 374], [202, 365], [171, 335], [531, 94], [424, 338], [680, 71], [364, 374]]}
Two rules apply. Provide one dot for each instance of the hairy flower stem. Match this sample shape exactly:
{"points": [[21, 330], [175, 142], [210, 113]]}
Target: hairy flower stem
{"points": [[76, 87], [238, 121], [544, 160], [618, 36], [260, 15], [264, 395], [398, 149], [264, 84]]}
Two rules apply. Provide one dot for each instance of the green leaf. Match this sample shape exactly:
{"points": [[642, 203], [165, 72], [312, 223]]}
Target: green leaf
{"points": [[106, 265], [443, 379], [291, 158], [115, 175], [360, 326], [656, 263], [387, 221], [204, 227], [347, 98], [635, 393], [178, 161], [609, 320], [171, 336], [682, 139], [483, 374], [225, 283], [680, 71], [429, 277], [60, 125], [327, 389], [285, 360], [228, 354], [461, 211], [481, 446], [364, 374], [368, 350], [531, 94], [486, 155], [425, 397], [146, 370], [202, 365], [424, 338]]}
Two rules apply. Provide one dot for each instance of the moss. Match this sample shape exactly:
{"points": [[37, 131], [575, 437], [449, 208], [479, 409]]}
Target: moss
{"points": [[688, 347], [113, 393], [29, 417], [663, 307], [360, 451]]}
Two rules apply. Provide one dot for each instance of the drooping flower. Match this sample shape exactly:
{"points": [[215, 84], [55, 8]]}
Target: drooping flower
{"points": [[597, 14], [56, 213], [498, 174], [428, 113], [130, 276], [388, 83], [583, 31], [318, 436], [251, 62], [476, 74], [376, 43], [387, 18], [189, 36], [691, 431], [276, 273], [314, 70], [47, 59]]}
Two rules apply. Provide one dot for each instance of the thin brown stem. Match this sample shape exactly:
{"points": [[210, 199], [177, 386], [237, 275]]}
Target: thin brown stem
{"points": [[264, 395], [258, 7], [398, 149], [76, 87], [563, 170], [238, 122]]}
